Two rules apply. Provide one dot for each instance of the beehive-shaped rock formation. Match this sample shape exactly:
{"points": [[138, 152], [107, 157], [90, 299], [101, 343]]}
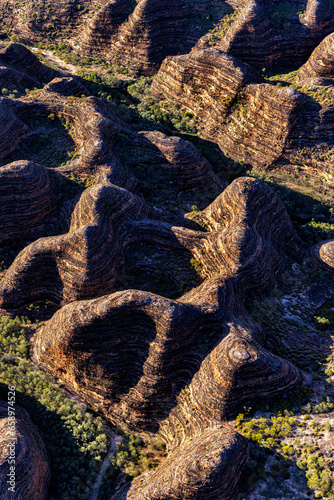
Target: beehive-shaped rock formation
{"points": [[80, 264], [181, 159], [251, 122], [321, 61], [206, 468], [242, 253], [130, 353], [32, 471], [22, 59], [28, 194]]}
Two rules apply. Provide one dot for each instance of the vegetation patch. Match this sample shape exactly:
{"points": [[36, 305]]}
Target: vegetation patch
{"points": [[50, 142], [134, 455], [324, 316], [76, 440], [284, 445]]}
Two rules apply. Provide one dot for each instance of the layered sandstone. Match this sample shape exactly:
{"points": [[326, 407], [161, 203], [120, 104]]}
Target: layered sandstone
{"points": [[32, 470], [140, 35], [207, 467], [182, 366], [13, 131], [181, 160], [79, 264], [322, 255], [265, 34], [321, 62], [95, 129], [18, 57], [242, 252], [147, 362], [28, 194], [250, 121], [15, 80]]}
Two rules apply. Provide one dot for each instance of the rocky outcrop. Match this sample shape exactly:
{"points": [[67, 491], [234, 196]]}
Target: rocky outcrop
{"points": [[259, 128], [66, 86], [182, 366], [205, 81], [317, 13], [313, 131], [140, 35], [265, 34], [13, 132], [242, 252], [229, 377], [104, 25], [21, 59], [150, 33], [28, 193], [322, 256], [242, 236], [321, 61], [181, 160], [23, 441], [207, 467], [45, 20], [251, 122], [15, 80], [95, 129], [147, 362], [80, 264]]}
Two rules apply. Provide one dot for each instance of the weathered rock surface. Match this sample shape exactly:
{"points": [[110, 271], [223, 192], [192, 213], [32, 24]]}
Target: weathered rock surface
{"points": [[317, 13], [140, 358], [20, 69], [264, 33], [95, 129], [207, 79], [28, 193], [32, 471], [242, 252], [18, 57], [208, 468], [15, 80], [321, 61], [180, 367], [14, 130], [251, 122], [181, 159], [229, 376], [140, 35], [322, 255], [80, 264]]}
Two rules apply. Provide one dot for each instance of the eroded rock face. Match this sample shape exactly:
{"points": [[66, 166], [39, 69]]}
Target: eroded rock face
{"points": [[181, 160], [95, 129], [130, 353], [140, 35], [32, 471], [207, 467], [251, 122], [318, 12], [242, 252], [28, 193], [13, 132], [18, 57], [208, 79], [321, 62], [147, 362], [81, 263], [237, 368], [265, 34], [322, 256]]}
